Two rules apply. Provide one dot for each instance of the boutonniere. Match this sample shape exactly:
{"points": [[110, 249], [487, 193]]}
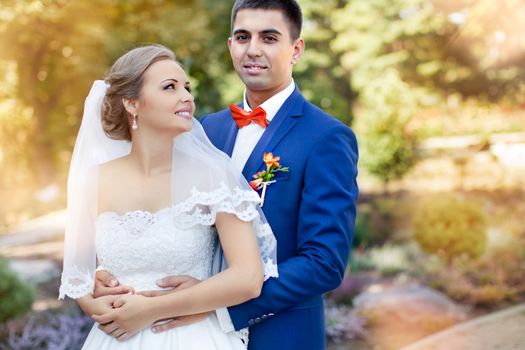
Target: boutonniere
{"points": [[264, 178]]}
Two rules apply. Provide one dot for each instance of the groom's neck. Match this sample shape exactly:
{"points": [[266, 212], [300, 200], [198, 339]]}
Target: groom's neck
{"points": [[257, 97]]}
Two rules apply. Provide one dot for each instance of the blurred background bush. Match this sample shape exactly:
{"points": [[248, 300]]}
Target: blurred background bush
{"points": [[16, 296]]}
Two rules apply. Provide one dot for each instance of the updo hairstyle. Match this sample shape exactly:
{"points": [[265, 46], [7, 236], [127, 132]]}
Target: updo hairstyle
{"points": [[125, 80]]}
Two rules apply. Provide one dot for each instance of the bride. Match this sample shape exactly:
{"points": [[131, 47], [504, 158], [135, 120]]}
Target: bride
{"points": [[148, 196]]}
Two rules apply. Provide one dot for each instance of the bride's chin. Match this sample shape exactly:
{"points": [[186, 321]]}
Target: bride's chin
{"points": [[182, 127], [188, 125]]}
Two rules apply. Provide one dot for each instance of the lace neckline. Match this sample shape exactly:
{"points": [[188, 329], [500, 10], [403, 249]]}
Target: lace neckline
{"points": [[134, 212], [194, 193]]}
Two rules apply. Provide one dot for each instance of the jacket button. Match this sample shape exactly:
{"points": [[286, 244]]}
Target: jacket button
{"points": [[251, 322], [257, 320]]}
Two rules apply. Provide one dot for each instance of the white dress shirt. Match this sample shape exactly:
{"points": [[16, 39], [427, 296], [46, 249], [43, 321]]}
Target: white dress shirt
{"points": [[247, 138]]}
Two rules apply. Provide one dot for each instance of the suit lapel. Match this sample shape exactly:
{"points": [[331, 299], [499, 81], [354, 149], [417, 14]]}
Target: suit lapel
{"points": [[281, 124]]}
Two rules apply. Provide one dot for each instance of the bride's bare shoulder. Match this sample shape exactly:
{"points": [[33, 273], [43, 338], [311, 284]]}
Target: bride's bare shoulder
{"points": [[113, 168], [111, 181]]}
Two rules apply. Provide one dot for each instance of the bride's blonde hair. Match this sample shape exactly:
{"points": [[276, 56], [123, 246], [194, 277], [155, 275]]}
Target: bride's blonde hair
{"points": [[125, 80]]}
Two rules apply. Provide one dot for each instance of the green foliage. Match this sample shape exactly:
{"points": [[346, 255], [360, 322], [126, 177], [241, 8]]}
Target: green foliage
{"points": [[360, 261], [390, 259], [377, 222], [388, 145], [415, 47], [52, 51], [450, 228], [16, 297], [372, 33], [54, 56], [361, 232], [472, 54], [380, 63], [319, 73]]}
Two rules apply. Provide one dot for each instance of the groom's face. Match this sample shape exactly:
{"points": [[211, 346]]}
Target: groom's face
{"points": [[262, 50]]}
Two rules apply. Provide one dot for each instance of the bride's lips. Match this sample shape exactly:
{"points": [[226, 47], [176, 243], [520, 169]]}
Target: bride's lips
{"points": [[185, 113], [255, 68]]}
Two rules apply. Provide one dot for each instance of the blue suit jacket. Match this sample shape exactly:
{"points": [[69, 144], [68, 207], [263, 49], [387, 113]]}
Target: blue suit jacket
{"points": [[311, 210]]}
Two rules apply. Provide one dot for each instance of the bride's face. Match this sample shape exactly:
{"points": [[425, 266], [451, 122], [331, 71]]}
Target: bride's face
{"points": [[165, 102]]}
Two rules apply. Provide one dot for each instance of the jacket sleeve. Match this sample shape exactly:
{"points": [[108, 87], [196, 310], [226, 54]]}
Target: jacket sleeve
{"points": [[326, 223]]}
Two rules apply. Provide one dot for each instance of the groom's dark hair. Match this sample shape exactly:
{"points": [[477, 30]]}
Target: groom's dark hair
{"points": [[290, 9]]}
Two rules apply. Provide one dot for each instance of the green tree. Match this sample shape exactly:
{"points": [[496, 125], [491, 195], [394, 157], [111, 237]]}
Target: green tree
{"points": [[388, 145], [319, 73], [53, 54], [468, 47]]}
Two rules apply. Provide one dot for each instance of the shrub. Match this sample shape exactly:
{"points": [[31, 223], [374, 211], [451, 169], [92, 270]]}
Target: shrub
{"points": [[463, 286], [343, 323], [388, 144], [360, 261], [56, 331], [482, 282], [390, 259], [450, 228], [378, 222], [16, 297], [361, 232]]}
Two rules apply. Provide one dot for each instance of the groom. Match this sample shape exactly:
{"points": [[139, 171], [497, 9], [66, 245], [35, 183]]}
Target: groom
{"points": [[311, 208]]}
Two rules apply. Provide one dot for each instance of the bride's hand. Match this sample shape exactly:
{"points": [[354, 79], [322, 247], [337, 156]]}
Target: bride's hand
{"points": [[100, 305], [175, 283], [130, 316]]}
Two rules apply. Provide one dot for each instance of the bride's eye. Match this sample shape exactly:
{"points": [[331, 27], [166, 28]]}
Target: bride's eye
{"points": [[169, 87], [188, 89]]}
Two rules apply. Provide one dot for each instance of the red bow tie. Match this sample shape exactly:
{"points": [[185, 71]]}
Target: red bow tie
{"points": [[243, 118]]}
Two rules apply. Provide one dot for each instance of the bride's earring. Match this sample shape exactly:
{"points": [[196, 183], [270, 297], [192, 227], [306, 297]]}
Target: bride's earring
{"points": [[134, 125]]}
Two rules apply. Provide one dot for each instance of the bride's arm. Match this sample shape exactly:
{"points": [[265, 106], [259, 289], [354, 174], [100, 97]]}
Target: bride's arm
{"points": [[241, 281]]}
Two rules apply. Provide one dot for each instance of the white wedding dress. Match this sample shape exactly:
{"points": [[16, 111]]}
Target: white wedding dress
{"points": [[140, 247]]}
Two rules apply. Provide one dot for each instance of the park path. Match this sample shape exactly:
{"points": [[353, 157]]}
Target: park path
{"points": [[501, 330], [40, 238]]}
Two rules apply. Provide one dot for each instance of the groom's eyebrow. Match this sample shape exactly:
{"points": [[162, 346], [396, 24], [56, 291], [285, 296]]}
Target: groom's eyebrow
{"points": [[240, 31], [270, 31], [262, 32]]}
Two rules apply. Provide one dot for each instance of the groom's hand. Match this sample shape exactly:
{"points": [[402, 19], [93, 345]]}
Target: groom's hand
{"points": [[175, 283], [106, 284], [170, 284]]}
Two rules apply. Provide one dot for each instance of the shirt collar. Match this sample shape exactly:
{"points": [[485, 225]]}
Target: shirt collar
{"points": [[272, 105]]}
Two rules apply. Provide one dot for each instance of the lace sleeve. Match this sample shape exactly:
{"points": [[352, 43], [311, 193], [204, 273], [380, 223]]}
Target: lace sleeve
{"points": [[76, 284], [201, 208]]}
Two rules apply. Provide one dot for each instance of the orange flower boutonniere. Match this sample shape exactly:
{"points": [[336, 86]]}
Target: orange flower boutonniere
{"points": [[264, 178]]}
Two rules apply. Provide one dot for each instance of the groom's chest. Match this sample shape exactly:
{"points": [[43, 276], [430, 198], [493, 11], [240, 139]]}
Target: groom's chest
{"points": [[244, 144]]}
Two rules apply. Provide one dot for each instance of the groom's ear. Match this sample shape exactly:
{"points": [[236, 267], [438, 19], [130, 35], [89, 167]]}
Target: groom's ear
{"points": [[130, 106], [298, 50]]}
